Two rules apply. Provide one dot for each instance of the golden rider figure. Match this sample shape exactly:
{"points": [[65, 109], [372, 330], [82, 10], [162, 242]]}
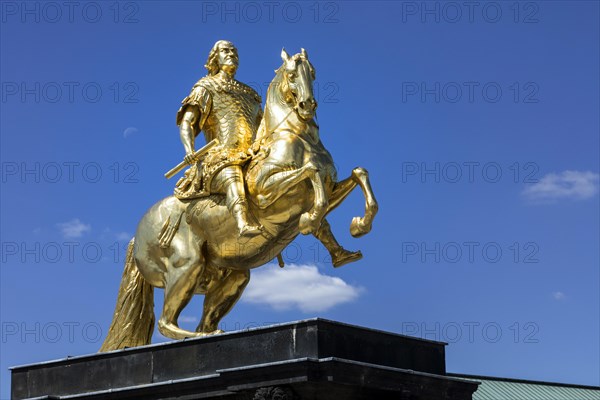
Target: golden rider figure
{"points": [[230, 111], [227, 110]]}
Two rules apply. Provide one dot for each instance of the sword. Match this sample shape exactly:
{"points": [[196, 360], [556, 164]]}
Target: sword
{"points": [[201, 152]]}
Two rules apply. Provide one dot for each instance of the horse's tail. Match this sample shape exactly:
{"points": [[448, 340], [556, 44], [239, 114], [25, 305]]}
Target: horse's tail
{"points": [[133, 320]]}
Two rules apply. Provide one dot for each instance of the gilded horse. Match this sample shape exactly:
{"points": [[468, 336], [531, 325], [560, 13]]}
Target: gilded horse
{"points": [[292, 185]]}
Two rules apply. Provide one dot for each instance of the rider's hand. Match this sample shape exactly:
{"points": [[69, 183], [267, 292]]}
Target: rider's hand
{"points": [[189, 158]]}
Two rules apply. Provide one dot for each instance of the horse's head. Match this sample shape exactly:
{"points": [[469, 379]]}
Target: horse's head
{"points": [[297, 76]]}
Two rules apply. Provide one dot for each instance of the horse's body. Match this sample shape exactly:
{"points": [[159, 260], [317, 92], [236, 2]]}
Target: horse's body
{"points": [[292, 184]]}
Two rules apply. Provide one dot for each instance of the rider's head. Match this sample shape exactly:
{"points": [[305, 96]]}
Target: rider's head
{"points": [[223, 55]]}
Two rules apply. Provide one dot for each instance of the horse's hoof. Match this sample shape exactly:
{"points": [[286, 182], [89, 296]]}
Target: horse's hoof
{"points": [[172, 331], [358, 227], [344, 257], [359, 172], [215, 332]]}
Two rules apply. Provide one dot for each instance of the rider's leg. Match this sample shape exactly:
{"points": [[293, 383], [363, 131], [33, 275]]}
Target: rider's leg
{"points": [[339, 255], [220, 299], [236, 200]]}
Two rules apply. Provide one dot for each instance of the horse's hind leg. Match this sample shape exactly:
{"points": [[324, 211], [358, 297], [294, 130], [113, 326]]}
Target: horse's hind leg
{"points": [[221, 296], [180, 284]]}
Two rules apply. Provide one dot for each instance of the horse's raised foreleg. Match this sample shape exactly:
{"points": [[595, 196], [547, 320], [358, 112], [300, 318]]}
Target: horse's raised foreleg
{"points": [[362, 225], [220, 298], [269, 187], [311, 221], [341, 191]]}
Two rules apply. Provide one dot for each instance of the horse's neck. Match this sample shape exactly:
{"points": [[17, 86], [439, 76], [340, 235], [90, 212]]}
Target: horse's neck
{"points": [[276, 108]]}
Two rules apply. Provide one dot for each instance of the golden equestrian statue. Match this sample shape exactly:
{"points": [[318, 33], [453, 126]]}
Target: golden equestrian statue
{"points": [[257, 184]]}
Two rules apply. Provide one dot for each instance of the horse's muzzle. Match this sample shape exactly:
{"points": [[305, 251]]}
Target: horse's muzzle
{"points": [[306, 109]]}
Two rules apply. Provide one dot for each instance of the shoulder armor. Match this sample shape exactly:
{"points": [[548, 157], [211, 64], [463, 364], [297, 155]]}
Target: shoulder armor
{"points": [[206, 82]]}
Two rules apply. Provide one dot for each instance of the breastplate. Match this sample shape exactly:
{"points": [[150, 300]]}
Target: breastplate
{"points": [[234, 115]]}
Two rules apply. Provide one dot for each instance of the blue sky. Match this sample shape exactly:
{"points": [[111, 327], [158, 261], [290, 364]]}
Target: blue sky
{"points": [[478, 123]]}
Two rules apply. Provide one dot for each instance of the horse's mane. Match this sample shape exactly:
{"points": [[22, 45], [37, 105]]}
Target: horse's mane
{"points": [[278, 87]]}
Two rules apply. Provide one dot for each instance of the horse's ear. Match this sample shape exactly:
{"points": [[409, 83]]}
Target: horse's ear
{"points": [[284, 55], [304, 54]]}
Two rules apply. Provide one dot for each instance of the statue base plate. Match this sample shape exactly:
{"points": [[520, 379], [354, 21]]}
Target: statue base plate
{"points": [[310, 359]]}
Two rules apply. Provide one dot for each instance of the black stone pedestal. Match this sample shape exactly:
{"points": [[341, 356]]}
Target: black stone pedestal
{"points": [[311, 359]]}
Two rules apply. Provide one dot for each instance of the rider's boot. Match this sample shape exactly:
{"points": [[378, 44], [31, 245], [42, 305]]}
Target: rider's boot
{"points": [[237, 204], [240, 213], [339, 255]]}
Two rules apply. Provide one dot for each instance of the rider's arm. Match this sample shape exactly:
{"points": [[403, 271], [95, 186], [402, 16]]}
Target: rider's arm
{"points": [[191, 117], [187, 132]]}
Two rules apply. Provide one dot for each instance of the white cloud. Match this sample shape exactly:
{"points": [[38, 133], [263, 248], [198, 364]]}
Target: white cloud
{"points": [[73, 228], [123, 236], [130, 131], [300, 286], [558, 295], [109, 234], [576, 185]]}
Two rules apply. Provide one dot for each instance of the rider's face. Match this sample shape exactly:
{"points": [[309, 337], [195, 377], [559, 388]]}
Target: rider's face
{"points": [[228, 56]]}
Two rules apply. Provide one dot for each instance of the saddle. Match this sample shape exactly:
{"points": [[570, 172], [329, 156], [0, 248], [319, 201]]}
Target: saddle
{"points": [[194, 187], [196, 181]]}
